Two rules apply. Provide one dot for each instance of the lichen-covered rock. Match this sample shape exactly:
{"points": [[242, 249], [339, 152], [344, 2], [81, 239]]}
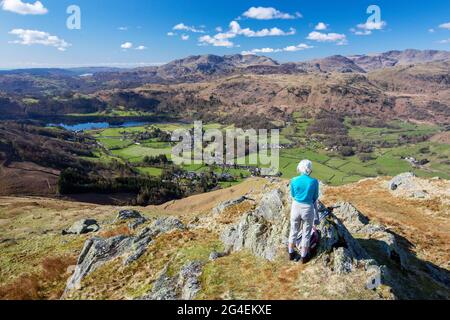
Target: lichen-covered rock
{"points": [[135, 216], [82, 226], [96, 252], [133, 225], [357, 223], [185, 285], [349, 215], [139, 245], [271, 206], [164, 288], [128, 214], [405, 180], [167, 224], [343, 261], [188, 280], [263, 231], [227, 204]]}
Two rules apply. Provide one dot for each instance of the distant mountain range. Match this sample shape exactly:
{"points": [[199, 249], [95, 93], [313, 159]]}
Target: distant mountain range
{"points": [[222, 65], [410, 84]]}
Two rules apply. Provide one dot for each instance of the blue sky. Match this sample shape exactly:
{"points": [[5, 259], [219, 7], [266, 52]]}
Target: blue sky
{"points": [[135, 32]]}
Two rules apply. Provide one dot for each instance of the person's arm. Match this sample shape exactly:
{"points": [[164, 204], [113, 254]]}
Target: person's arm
{"points": [[292, 190], [316, 207]]}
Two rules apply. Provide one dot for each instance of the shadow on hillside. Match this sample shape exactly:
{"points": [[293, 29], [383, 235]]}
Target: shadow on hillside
{"points": [[411, 278]]}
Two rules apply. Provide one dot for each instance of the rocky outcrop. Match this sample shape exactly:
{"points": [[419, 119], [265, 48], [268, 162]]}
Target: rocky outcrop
{"points": [[264, 230], [403, 180], [183, 286], [135, 216], [82, 226], [95, 253], [227, 204], [98, 251], [407, 184]]}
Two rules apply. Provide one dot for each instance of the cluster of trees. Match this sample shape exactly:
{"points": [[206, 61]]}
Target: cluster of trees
{"points": [[49, 106], [134, 101], [148, 190], [58, 149], [158, 161]]}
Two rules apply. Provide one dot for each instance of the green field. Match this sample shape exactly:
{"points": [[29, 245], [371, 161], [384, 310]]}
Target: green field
{"points": [[328, 166]]}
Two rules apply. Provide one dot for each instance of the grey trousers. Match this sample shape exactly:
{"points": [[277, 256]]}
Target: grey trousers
{"points": [[302, 219]]}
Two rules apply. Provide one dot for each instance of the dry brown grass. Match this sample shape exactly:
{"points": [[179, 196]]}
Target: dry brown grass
{"points": [[232, 214], [46, 284], [117, 231]]}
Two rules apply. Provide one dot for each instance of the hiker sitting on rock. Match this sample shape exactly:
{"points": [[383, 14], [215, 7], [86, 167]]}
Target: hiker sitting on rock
{"points": [[305, 193]]}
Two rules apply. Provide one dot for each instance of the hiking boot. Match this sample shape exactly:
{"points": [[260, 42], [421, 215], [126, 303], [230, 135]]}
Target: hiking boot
{"points": [[294, 256], [306, 259]]}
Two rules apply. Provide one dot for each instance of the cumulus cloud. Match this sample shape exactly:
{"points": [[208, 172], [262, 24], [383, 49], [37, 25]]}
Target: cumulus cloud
{"points": [[171, 34], [299, 47], [126, 45], [24, 8], [366, 29], [216, 42], [122, 28], [141, 48], [321, 26], [268, 13], [445, 26], [340, 39], [446, 41], [183, 27], [222, 39], [31, 37], [184, 37]]}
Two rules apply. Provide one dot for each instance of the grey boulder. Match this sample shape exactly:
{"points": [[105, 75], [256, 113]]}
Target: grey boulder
{"points": [[82, 226]]}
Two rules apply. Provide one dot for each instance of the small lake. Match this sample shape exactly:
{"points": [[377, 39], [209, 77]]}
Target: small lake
{"points": [[97, 125]]}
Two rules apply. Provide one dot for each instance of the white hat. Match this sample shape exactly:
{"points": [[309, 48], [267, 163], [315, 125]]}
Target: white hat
{"points": [[304, 167]]}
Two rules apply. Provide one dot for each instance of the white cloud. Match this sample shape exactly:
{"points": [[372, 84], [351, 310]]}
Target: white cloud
{"points": [[184, 37], [183, 27], [431, 30], [221, 39], [321, 26], [126, 45], [24, 8], [141, 48], [171, 34], [445, 26], [366, 29], [444, 41], [219, 29], [122, 28], [299, 47], [340, 39], [31, 37], [205, 40], [268, 13]]}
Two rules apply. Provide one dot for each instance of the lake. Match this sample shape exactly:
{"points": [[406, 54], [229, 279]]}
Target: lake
{"points": [[97, 125]]}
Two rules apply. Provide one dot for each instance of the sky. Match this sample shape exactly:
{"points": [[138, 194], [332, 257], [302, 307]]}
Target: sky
{"points": [[150, 32]]}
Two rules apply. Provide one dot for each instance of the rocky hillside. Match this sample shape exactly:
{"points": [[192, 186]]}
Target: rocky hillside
{"points": [[192, 248], [278, 96], [394, 58]]}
